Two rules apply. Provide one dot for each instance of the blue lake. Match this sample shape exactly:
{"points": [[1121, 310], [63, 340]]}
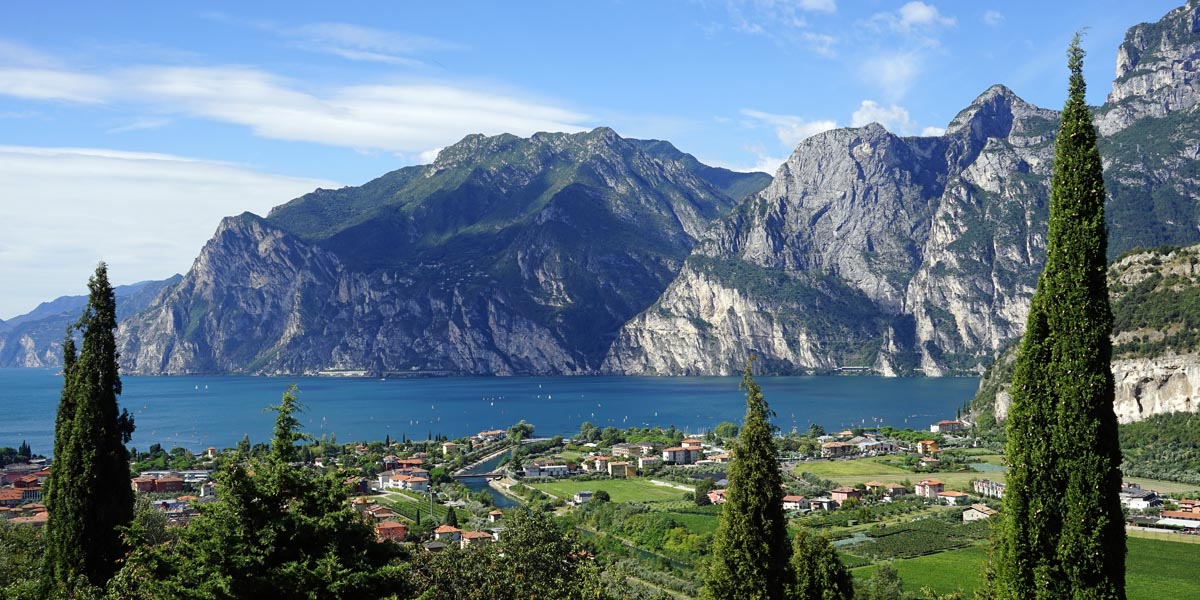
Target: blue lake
{"points": [[198, 412]]}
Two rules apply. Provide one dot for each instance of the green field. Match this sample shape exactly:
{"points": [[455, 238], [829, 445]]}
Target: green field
{"points": [[834, 469], [1166, 487], [1155, 570], [620, 490]]}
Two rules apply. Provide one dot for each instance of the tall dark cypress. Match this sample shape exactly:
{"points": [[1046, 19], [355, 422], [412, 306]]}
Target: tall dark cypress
{"points": [[750, 550], [88, 493], [1063, 532]]}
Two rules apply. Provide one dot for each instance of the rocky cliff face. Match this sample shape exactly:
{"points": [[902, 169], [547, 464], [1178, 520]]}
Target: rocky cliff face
{"points": [[505, 256], [927, 247], [1155, 295], [1158, 70]]}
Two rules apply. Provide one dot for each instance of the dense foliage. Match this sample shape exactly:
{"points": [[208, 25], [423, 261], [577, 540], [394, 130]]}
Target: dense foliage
{"points": [[819, 574], [90, 433], [1163, 447], [1063, 533], [750, 552], [276, 531]]}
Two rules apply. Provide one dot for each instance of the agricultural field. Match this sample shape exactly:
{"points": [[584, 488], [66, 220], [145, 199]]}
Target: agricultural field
{"points": [[834, 469], [408, 504], [1155, 570], [620, 490], [1167, 487]]}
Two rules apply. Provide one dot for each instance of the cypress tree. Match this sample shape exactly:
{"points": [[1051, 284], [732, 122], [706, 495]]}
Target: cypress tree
{"points": [[1063, 532], [88, 495], [750, 550]]}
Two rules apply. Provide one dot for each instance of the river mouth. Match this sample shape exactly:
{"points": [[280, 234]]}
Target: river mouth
{"points": [[478, 484]]}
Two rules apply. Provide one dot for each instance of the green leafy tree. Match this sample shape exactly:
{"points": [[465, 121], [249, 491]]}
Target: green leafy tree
{"points": [[24, 450], [726, 430], [276, 531], [819, 573], [601, 496], [750, 550], [885, 584], [533, 559], [86, 495], [1062, 534]]}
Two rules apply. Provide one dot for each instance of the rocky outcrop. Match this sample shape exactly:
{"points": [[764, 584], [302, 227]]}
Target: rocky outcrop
{"points": [[1153, 386], [1158, 70], [1155, 297]]}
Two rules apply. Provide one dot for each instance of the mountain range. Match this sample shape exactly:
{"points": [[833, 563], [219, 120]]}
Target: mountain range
{"points": [[591, 253]]}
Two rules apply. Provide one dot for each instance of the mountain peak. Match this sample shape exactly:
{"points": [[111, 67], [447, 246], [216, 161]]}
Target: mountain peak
{"points": [[990, 114], [1158, 70]]}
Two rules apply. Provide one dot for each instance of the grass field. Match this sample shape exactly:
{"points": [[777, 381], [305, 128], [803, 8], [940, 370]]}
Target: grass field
{"points": [[620, 490], [1166, 487], [1155, 570], [833, 469]]}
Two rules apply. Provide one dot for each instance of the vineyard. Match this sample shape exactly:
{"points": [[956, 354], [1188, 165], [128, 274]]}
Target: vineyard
{"points": [[918, 538]]}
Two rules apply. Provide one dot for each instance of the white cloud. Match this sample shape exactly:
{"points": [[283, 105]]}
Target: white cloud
{"points": [[790, 129], [821, 43], [993, 18], [931, 131], [895, 118], [68, 208], [893, 73], [827, 6], [49, 84], [397, 117], [140, 125], [918, 14]]}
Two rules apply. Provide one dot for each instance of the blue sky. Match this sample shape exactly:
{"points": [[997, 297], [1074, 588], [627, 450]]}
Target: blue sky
{"points": [[127, 130]]}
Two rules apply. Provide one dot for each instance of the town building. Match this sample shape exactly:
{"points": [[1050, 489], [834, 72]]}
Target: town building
{"points": [[929, 488], [583, 497], [952, 497], [794, 503], [988, 488], [390, 531], [947, 427], [978, 512], [843, 493], [927, 447]]}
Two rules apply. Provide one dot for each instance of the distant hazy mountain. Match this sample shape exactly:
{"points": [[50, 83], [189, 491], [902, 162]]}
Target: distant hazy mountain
{"points": [[504, 256], [35, 339]]}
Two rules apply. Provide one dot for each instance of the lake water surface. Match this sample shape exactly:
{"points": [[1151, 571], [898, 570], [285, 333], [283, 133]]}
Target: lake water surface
{"points": [[198, 412]]}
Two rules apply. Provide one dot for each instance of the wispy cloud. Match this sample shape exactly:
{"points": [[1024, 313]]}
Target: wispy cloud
{"points": [[347, 40], [408, 117], [782, 21], [48, 84], [894, 73], [72, 208], [993, 18], [140, 125], [790, 129]]}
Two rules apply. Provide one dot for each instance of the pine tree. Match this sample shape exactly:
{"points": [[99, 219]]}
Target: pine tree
{"points": [[451, 517], [88, 498], [1063, 533], [24, 450], [750, 549]]}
